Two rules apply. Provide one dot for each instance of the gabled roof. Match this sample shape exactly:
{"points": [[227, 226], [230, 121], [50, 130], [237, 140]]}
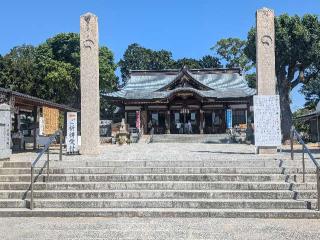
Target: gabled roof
{"points": [[214, 83], [37, 101]]}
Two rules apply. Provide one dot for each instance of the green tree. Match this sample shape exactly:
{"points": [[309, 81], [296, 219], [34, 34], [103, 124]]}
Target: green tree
{"points": [[137, 57], [300, 124], [191, 63], [18, 69], [209, 61], [52, 69], [231, 50], [297, 47], [311, 90], [108, 80]]}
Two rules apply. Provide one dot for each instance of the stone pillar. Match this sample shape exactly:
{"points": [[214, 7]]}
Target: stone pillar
{"points": [[265, 52], [89, 74], [5, 132], [265, 55]]}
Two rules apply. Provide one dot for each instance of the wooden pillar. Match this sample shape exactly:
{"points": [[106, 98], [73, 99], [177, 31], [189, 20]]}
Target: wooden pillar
{"points": [[168, 122], [35, 121], [126, 117], [201, 121], [144, 123]]}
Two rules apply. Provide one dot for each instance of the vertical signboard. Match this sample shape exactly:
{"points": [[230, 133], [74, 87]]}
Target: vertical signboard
{"points": [[41, 126], [267, 120], [138, 120], [229, 118], [72, 136], [5, 128], [51, 120]]}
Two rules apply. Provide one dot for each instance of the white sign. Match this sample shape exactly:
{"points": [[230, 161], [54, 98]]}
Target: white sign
{"points": [[72, 136], [41, 125], [267, 120], [5, 131]]}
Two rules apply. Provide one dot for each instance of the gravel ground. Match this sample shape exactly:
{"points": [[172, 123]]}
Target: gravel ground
{"points": [[144, 228]]}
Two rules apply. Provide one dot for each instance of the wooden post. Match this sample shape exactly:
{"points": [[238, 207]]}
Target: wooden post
{"points": [[201, 121], [34, 113], [168, 123]]}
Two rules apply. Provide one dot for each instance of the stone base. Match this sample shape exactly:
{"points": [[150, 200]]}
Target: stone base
{"points": [[5, 154], [267, 150]]}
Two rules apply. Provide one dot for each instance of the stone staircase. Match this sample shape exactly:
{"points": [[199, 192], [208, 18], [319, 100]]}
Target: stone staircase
{"points": [[191, 138], [259, 188]]}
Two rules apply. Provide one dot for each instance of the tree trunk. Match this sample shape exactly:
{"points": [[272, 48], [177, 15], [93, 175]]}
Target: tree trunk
{"points": [[286, 114]]}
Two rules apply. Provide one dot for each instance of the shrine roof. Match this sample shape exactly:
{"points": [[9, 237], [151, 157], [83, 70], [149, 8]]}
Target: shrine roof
{"points": [[214, 83]]}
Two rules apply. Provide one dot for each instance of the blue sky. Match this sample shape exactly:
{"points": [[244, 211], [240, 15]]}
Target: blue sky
{"points": [[188, 28]]}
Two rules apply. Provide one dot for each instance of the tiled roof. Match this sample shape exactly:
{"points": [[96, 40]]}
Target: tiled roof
{"points": [[38, 101], [147, 85]]}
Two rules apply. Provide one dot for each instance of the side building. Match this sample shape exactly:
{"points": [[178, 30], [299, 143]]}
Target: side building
{"points": [[211, 100]]}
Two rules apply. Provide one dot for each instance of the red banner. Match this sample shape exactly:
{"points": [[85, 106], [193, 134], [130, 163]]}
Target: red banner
{"points": [[138, 119]]}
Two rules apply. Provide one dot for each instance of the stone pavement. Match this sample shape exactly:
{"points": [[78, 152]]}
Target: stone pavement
{"points": [[165, 228]]}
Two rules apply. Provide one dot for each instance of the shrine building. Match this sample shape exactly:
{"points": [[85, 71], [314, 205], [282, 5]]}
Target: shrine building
{"points": [[212, 100]]}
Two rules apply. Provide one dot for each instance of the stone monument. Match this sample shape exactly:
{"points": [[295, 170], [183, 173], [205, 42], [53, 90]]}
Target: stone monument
{"points": [[89, 74], [266, 83], [5, 132], [123, 135]]}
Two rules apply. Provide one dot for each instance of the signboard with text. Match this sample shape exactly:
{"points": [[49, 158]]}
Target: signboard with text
{"points": [[72, 135], [267, 120]]}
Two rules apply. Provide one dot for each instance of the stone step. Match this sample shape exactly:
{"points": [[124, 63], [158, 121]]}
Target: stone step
{"points": [[191, 138], [161, 203], [11, 164], [162, 213], [183, 163], [160, 170], [160, 177], [160, 194], [243, 163], [155, 185]]}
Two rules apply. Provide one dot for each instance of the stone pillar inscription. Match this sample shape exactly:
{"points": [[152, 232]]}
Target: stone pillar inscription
{"points": [[89, 73]]}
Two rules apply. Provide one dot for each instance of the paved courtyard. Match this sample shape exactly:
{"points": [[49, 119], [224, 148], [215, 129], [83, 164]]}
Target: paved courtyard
{"points": [[137, 228]]}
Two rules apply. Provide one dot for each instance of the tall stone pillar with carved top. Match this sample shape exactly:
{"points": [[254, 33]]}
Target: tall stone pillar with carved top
{"points": [[89, 74], [266, 77], [265, 52]]}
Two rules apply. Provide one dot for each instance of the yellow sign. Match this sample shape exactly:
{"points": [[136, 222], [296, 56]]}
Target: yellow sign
{"points": [[51, 120]]}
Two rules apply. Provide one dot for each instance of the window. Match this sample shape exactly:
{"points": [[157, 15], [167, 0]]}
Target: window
{"points": [[238, 116], [131, 119]]}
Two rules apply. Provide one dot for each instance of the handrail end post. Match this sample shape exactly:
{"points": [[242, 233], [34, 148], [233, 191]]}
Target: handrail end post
{"points": [[318, 188], [291, 142], [60, 153], [31, 188]]}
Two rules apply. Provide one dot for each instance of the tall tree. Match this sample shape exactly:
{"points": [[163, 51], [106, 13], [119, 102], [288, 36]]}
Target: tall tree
{"points": [[52, 69], [18, 69], [231, 50], [137, 57], [191, 63], [209, 61], [297, 47], [311, 90]]}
